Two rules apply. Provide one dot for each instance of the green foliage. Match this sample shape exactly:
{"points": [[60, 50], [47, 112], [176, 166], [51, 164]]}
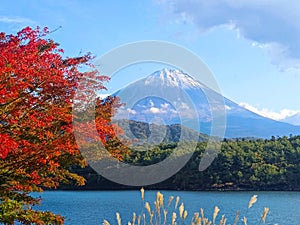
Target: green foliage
{"points": [[170, 133], [12, 210], [248, 164], [242, 164]]}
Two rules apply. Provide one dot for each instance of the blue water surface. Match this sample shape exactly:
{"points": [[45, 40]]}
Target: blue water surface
{"points": [[92, 207]]}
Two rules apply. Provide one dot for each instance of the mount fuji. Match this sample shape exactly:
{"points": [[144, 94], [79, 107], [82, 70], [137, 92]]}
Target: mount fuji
{"points": [[170, 96]]}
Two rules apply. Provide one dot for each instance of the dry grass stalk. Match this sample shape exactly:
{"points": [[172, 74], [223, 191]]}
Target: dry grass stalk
{"points": [[118, 218], [196, 215], [177, 201], [151, 217], [165, 216], [196, 220], [170, 200], [185, 213], [252, 201], [206, 221], [147, 207], [156, 204], [133, 218], [245, 220], [105, 222], [173, 218], [181, 209], [142, 194], [264, 216], [160, 199], [236, 217], [223, 220], [216, 211], [139, 220], [202, 213]]}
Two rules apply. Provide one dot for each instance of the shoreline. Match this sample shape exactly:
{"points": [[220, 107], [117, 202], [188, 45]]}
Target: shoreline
{"points": [[173, 189]]}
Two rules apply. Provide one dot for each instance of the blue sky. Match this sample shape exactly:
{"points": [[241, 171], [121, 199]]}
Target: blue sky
{"points": [[252, 47]]}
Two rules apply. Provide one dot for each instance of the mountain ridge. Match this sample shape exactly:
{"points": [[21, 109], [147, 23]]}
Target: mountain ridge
{"points": [[176, 97], [163, 133]]}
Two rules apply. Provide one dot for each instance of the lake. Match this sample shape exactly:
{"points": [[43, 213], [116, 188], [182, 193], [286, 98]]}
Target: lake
{"points": [[92, 207]]}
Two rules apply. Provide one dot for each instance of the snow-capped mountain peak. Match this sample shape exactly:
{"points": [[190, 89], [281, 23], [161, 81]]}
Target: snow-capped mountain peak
{"points": [[168, 93], [172, 78]]}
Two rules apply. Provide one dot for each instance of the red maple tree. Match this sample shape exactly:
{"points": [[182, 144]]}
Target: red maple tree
{"points": [[38, 148]]}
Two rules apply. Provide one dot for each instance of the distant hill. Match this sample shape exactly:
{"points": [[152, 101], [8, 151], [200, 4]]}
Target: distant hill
{"points": [[156, 134]]}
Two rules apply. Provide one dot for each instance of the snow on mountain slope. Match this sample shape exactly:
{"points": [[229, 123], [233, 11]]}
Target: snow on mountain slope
{"points": [[172, 96], [172, 78]]}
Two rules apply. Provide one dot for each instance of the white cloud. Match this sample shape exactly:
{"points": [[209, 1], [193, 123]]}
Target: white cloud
{"points": [[165, 105], [155, 110], [7, 19], [131, 111], [162, 109], [273, 25], [281, 115]]}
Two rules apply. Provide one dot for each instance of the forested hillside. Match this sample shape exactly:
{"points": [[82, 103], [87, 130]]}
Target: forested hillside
{"points": [[242, 164]]}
